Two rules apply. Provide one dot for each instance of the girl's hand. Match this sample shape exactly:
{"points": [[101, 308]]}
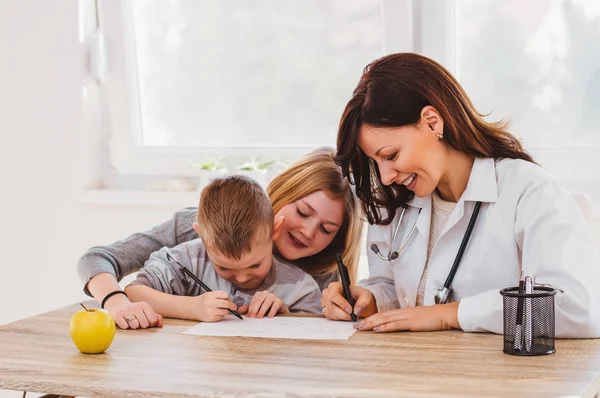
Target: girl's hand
{"points": [[140, 315], [264, 303], [336, 307], [212, 306], [416, 319]]}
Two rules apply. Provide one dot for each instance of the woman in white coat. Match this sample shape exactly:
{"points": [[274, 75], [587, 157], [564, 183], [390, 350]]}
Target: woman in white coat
{"points": [[411, 140]]}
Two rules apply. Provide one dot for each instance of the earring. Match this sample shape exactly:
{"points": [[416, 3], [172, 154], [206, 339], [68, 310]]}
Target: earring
{"points": [[440, 135]]}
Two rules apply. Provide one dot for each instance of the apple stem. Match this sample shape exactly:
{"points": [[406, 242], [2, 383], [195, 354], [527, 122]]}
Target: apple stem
{"points": [[83, 307]]}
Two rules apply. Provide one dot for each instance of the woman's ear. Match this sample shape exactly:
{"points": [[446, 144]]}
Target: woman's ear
{"points": [[195, 225], [277, 227], [432, 120]]}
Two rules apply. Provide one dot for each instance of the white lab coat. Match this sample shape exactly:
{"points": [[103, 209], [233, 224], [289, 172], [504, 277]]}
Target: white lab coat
{"points": [[527, 221]]}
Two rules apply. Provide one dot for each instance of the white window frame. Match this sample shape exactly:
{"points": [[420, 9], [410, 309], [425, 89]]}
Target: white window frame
{"points": [[128, 156]]}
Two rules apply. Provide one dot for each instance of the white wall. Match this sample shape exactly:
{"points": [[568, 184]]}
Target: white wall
{"points": [[44, 227]]}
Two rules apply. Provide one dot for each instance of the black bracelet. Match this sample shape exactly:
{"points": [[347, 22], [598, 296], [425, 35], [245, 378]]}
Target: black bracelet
{"points": [[109, 295]]}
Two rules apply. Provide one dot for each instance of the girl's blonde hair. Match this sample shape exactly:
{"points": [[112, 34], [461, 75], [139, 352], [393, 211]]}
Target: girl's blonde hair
{"points": [[317, 171]]}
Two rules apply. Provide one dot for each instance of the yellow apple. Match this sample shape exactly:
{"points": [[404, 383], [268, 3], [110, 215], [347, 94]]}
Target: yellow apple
{"points": [[92, 330]]}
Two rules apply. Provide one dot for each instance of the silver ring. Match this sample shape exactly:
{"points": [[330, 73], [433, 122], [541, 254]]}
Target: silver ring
{"points": [[129, 319], [324, 308]]}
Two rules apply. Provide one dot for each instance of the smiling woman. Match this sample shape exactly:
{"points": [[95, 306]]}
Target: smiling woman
{"points": [[421, 155], [320, 216]]}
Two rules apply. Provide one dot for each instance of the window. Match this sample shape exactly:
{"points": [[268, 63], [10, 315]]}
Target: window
{"points": [[254, 74], [192, 80], [536, 62], [189, 81]]}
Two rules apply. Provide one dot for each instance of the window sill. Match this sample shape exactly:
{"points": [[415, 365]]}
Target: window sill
{"points": [[138, 198], [179, 199]]}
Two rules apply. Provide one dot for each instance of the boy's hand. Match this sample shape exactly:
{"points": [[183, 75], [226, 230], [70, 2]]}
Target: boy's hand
{"points": [[264, 303], [213, 306]]}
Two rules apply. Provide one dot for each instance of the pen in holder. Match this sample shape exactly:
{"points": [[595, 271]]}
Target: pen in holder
{"points": [[529, 319]]}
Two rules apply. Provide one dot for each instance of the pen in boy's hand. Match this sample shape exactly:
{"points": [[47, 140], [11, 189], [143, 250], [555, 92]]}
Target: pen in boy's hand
{"points": [[198, 281], [343, 270]]}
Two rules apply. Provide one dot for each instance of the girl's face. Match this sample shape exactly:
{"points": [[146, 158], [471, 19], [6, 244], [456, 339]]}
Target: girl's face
{"points": [[412, 156], [310, 225]]}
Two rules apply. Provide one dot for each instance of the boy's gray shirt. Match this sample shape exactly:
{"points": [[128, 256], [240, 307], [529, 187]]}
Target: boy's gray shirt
{"points": [[296, 288], [128, 255]]}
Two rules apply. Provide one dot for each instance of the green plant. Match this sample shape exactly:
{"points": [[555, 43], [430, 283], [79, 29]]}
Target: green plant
{"points": [[254, 164], [211, 165]]}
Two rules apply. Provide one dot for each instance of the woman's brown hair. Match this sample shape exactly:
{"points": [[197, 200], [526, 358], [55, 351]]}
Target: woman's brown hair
{"points": [[391, 93]]}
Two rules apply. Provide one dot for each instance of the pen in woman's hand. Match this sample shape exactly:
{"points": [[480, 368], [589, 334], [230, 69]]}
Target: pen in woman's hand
{"points": [[343, 270]]}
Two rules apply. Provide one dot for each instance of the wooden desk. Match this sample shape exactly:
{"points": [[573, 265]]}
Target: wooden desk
{"points": [[37, 354]]}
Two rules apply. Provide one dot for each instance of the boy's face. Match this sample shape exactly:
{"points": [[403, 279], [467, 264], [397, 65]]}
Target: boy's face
{"points": [[250, 271]]}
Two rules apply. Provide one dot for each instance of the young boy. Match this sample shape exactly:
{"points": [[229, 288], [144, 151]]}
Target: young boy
{"points": [[233, 257]]}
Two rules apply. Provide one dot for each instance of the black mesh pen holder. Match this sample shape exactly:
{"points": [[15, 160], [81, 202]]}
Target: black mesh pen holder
{"points": [[529, 321]]}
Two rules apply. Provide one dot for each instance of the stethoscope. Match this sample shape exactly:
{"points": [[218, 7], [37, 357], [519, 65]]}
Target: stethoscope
{"points": [[392, 255], [442, 295]]}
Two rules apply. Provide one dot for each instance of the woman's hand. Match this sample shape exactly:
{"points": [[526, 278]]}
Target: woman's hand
{"points": [[336, 307], [130, 315], [212, 306], [264, 303], [416, 319]]}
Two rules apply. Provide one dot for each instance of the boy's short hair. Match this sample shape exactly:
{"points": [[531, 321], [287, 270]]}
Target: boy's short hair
{"points": [[234, 212]]}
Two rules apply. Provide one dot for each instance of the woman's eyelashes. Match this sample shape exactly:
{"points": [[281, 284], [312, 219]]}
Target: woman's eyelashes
{"points": [[392, 156], [304, 215]]}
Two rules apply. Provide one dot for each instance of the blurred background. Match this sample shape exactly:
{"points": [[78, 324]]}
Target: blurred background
{"points": [[114, 113]]}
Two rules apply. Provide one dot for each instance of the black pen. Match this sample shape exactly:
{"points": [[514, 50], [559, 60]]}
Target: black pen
{"points": [[198, 281], [343, 270], [518, 345]]}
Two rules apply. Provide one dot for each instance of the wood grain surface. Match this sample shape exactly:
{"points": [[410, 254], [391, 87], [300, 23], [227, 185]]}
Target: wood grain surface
{"points": [[37, 354]]}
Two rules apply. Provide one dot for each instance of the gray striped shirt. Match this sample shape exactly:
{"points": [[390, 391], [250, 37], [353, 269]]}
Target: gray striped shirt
{"points": [[123, 257], [296, 288]]}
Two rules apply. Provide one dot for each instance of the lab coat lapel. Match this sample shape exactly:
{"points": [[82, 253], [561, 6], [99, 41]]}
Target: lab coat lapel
{"points": [[424, 220], [482, 187], [412, 260]]}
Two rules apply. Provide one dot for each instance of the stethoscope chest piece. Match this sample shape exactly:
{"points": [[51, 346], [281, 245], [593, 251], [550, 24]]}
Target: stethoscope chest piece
{"points": [[442, 295]]}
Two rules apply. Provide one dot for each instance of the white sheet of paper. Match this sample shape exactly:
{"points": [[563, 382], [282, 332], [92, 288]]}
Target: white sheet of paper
{"points": [[280, 327]]}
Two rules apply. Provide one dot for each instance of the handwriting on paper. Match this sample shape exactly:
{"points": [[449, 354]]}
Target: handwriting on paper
{"points": [[276, 328]]}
